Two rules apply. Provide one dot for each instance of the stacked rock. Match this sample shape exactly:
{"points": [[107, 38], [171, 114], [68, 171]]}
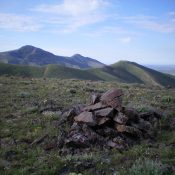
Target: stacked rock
{"points": [[105, 123]]}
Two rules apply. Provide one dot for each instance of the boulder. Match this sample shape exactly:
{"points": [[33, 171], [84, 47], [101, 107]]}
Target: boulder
{"points": [[85, 117]]}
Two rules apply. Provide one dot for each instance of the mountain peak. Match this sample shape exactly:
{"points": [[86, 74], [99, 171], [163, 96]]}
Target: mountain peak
{"points": [[27, 47], [31, 55], [77, 55]]}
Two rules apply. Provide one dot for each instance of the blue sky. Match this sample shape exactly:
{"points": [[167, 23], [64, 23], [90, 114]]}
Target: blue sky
{"points": [[108, 30]]}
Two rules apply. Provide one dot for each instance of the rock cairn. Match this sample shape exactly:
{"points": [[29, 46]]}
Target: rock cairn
{"points": [[105, 123]]}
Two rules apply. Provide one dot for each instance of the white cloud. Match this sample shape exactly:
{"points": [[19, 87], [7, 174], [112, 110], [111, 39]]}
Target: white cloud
{"points": [[153, 23], [19, 23], [126, 40], [73, 7], [73, 14]]}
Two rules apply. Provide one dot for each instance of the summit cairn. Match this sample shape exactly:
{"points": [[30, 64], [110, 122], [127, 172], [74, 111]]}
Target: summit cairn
{"points": [[105, 123]]}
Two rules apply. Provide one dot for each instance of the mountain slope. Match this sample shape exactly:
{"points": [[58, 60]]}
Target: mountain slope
{"points": [[30, 55], [144, 74], [123, 71]]}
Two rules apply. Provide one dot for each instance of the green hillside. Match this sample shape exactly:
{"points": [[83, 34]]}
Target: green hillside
{"points": [[21, 70], [123, 71], [55, 71], [144, 74]]}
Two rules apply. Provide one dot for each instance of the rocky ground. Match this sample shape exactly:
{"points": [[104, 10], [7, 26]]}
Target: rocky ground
{"points": [[54, 126]]}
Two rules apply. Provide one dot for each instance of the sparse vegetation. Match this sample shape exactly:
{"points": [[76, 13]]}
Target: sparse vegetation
{"points": [[28, 136]]}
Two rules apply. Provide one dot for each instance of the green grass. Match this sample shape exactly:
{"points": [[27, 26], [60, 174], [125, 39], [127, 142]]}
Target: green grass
{"points": [[21, 123]]}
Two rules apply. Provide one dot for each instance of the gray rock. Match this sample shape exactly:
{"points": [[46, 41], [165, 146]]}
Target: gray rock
{"points": [[106, 112], [120, 118]]}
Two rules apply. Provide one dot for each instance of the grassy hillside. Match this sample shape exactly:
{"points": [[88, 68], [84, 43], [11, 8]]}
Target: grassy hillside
{"points": [[144, 74], [20, 70], [123, 71], [55, 71], [29, 137]]}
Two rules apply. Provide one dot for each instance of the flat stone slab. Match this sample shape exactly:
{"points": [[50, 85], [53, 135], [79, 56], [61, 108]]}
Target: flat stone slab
{"points": [[85, 117], [94, 107], [106, 112], [112, 98]]}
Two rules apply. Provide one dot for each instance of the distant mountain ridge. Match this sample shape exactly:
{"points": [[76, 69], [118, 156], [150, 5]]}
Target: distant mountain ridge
{"points": [[122, 71], [169, 69], [30, 55]]}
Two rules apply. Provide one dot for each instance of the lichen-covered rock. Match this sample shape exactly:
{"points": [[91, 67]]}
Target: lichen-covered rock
{"points": [[120, 118], [77, 140]]}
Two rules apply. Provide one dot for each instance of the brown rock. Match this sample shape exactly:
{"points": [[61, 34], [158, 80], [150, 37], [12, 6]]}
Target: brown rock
{"points": [[121, 128], [120, 118], [106, 112], [85, 117], [94, 107], [112, 98], [110, 94]]}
